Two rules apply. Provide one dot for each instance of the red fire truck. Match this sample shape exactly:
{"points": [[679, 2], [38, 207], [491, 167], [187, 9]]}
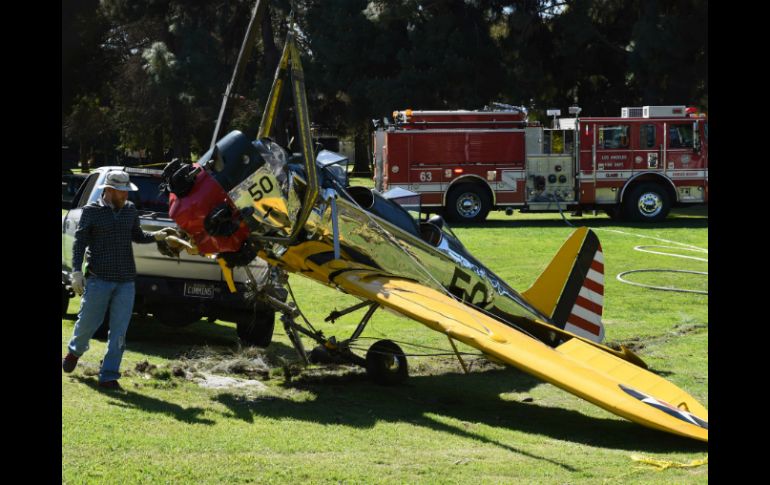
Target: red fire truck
{"points": [[466, 163]]}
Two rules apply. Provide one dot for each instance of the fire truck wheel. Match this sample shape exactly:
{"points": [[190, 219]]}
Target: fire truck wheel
{"points": [[467, 203], [647, 203]]}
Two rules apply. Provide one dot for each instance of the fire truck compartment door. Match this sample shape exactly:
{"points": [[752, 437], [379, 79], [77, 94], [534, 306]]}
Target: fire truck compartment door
{"points": [[648, 152], [549, 177]]}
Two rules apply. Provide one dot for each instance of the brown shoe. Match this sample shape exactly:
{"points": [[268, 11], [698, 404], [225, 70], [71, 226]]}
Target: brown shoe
{"points": [[69, 362], [114, 385]]}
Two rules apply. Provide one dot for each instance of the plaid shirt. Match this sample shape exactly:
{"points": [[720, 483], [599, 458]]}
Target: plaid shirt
{"points": [[105, 236]]}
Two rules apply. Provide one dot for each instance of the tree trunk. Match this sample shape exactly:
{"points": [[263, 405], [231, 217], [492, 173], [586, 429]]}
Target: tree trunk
{"points": [[272, 55], [362, 166], [156, 151], [82, 157], [180, 134]]}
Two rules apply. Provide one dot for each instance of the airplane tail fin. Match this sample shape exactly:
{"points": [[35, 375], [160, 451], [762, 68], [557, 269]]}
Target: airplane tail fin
{"points": [[571, 289]]}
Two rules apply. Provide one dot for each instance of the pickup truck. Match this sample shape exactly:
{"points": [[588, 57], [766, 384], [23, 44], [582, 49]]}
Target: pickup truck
{"points": [[70, 182], [181, 291]]}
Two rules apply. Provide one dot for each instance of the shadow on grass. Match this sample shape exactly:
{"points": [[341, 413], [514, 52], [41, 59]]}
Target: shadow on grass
{"points": [[150, 337], [672, 222], [471, 399], [130, 399]]}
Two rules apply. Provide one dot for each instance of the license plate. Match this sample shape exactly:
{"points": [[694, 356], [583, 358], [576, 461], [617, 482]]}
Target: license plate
{"points": [[199, 290]]}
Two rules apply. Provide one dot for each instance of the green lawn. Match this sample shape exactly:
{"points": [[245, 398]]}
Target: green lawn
{"points": [[330, 425]]}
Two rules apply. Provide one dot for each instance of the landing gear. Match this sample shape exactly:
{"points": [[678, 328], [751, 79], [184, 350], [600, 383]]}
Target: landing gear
{"points": [[385, 362]]}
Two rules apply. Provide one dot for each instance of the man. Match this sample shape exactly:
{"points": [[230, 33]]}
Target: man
{"points": [[104, 236]]}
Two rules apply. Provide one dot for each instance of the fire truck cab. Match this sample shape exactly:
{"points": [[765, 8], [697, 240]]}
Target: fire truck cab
{"points": [[466, 163]]}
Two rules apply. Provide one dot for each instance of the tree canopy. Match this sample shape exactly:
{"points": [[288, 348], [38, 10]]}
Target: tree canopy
{"points": [[149, 74]]}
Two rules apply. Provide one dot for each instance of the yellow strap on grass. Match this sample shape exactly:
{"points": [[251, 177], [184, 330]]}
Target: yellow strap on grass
{"points": [[665, 464]]}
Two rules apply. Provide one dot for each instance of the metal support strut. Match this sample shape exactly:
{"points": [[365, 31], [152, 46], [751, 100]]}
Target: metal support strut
{"points": [[462, 362]]}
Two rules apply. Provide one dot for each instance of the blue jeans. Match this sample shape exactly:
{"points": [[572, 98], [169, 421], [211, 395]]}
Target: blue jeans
{"points": [[99, 295]]}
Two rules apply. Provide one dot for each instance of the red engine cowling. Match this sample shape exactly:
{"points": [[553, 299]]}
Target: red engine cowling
{"points": [[190, 213]]}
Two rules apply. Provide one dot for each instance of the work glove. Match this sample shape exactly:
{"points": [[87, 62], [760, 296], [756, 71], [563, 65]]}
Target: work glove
{"points": [[164, 233], [78, 282], [173, 244]]}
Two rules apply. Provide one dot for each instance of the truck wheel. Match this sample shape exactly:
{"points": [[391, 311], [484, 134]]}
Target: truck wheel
{"points": [[65, 300], [386, 363], [256, 328], [468, 203], [647, 203], [176, 317]]}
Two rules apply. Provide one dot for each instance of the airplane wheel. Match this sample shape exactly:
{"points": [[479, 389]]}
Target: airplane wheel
{"points": [[386, 363]]}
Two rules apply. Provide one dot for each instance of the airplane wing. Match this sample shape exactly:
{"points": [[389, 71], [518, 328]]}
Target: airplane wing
{"points": [[575, 366]]}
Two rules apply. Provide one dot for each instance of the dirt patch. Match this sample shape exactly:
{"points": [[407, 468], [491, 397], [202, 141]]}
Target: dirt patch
{"points": [[144, 367], [636, 344], [246, 361], [328, 374], [212, 381]]}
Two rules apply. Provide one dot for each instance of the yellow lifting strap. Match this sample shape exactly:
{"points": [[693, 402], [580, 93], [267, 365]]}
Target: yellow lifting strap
{"points": [[290, 64], [228, 274], [273, 100], [664, 464]]}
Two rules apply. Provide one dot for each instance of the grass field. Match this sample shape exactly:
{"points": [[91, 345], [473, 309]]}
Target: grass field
{"points": [[331, 425]]}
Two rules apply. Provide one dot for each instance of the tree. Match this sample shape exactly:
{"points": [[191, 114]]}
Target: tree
{"points": [[160, 67], [176, 57], [87, 123], [430, 55]]}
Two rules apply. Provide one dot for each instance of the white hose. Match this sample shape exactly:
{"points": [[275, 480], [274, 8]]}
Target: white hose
{"points": [[662, 288], [658, 270]]}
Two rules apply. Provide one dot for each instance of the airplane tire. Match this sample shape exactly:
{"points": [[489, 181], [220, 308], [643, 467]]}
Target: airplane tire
{"points": [[386, 363]]}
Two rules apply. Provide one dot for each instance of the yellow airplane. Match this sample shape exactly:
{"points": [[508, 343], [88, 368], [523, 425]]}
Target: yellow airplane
{"points": [[250, 198]]}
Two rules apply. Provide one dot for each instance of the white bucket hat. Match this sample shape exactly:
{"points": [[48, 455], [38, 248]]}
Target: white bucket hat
{"points": [[118, 180]]}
